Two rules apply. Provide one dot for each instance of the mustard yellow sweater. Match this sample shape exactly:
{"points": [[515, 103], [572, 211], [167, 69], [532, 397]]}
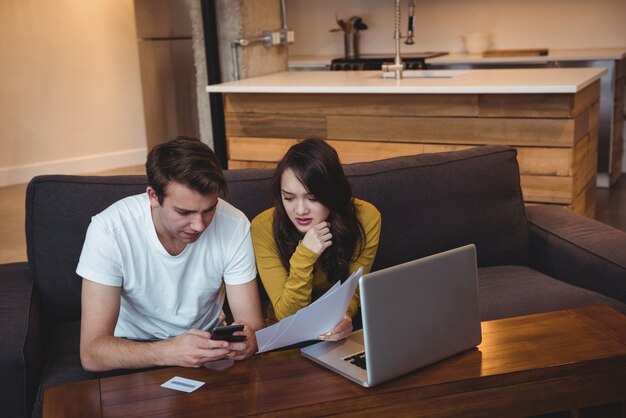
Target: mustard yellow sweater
{"points": [[306, 280]]}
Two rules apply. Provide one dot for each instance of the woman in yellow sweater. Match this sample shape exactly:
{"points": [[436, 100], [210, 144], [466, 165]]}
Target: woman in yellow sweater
{"points": [[315, 235]]}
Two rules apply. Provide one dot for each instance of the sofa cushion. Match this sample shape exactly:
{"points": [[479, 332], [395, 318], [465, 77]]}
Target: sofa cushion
{"points": [[434, 202], [507, 291]]}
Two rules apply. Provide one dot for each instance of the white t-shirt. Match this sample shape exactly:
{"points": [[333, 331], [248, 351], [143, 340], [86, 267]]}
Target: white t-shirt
{"points": [[165, 295]]}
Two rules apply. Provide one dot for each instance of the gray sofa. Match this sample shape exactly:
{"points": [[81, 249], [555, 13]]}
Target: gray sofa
{"points": [[531, 260]]}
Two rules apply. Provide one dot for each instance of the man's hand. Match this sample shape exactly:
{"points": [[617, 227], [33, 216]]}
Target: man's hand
{"points": [[244, 349], [318, 238], [194, 348], [341, 330]]}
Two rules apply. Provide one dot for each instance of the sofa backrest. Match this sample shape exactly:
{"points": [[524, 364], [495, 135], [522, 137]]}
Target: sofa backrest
{"points": [[434, 202], [429, 203], [58, 212]]}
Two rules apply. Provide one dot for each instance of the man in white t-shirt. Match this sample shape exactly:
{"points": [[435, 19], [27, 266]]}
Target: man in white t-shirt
{"points": [[156, 268]]}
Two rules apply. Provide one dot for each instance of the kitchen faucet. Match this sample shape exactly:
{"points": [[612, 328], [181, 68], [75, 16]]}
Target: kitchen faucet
{"points": [[397, 66], [409, 33]]}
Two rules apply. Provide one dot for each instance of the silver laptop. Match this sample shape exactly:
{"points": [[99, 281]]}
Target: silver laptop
{"points": [[414, 314]]}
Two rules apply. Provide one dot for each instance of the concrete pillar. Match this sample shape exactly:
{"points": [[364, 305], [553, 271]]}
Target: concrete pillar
{"points": [[248, 19], [199, 56], [237, 19]]}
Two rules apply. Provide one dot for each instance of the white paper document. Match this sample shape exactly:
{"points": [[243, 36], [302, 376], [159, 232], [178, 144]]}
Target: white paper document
{"points": [[312, 321]]}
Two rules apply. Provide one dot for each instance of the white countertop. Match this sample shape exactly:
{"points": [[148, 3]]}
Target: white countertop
{"points": [[553, 55], [321, 61], [540, 80]]}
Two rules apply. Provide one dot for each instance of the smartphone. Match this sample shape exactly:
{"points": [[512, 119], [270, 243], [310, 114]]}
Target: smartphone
{"points": [[226, 333]]}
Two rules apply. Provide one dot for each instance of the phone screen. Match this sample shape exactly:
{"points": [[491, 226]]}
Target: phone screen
{"points": [[226, 333]]}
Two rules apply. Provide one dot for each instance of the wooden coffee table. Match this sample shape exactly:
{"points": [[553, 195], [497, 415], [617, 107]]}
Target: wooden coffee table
{"points": [[572, 361]]}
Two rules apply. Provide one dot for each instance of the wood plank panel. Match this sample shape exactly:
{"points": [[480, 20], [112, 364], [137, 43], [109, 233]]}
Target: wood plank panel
{"points": [[432, 148], [584, 123], [585, 166], [483, 131], [552, 133], [247, 124], [540, 182], [587, 205], [618, 150], [545, 161], [238, 165], [273, 149], [580, 152], [258, 149], [584, 202], [360, 151], [469, 105], [547, 189], [586, 98], [526, 105], [594, 118], [353, 104]]}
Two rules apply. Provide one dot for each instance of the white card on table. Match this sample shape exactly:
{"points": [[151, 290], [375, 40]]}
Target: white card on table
{"points": [[182, 384]]}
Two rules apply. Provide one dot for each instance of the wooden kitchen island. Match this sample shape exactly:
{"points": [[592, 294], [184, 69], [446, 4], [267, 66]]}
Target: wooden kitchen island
{"points": [[549, 115]]}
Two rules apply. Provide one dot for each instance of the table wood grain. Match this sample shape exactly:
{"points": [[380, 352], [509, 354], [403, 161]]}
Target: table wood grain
{"points": [[559, 361]]}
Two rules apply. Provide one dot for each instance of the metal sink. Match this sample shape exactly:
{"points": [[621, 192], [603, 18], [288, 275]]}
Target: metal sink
{"points": [[426, 73]]}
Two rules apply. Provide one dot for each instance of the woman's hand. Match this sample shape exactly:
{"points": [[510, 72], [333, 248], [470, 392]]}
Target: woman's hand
{"points": [[318, 238], [341, 330]]}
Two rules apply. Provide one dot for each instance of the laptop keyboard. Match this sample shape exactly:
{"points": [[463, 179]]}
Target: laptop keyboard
{"points": [[357, 359]]}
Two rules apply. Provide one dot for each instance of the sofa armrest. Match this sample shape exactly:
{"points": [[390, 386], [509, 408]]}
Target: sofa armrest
{"points": [[21, 352], [578, 250]]}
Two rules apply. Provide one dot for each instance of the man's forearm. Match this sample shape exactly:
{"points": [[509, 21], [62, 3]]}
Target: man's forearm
{"points": [[192, 348], [109, 353]]}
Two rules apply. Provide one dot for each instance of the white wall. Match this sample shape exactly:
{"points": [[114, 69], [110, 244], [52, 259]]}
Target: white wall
{"points": [[557, 24], [70, 93]]}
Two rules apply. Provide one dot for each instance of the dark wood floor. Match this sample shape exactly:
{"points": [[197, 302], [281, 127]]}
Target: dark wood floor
{"points": [[611, 204]]}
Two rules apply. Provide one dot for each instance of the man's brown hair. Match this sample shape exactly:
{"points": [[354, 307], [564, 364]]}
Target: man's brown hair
{"points": [[187, 161]]}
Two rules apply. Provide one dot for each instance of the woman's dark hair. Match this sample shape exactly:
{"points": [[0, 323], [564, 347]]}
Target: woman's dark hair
{"points": [[316, 165], [187, 161]]}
